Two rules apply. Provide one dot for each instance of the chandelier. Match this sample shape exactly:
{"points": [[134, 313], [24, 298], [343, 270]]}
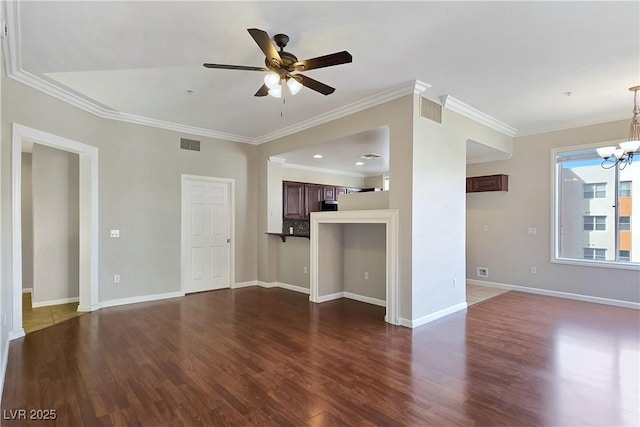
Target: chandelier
{"points": [[623, 155]]}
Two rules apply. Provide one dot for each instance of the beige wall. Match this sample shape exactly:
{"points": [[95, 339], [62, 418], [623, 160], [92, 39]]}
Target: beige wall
{"points": [[507, 250], [27, 222], [291, 173], [293, 257], [139, 191], [365, 251], [56, 224]]}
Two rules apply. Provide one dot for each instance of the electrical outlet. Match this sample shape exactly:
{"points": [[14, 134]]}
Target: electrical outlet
{"points": [[114, 233], [534, 270], [485, 228], [455, 282], [482, 272], [532, 231], [366, 275], [116, 278], [305, 269]]}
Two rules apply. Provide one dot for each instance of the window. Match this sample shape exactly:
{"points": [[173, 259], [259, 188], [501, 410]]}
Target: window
{"points": [[593, 253], [625, 256], [592, 210], [591, 223], [625, 223], [596, 190], [625, 188]]}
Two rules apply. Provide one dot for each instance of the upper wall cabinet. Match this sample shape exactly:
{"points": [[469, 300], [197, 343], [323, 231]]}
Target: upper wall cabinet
{"points": [[313, 198], [479, 184], [293, 197]]}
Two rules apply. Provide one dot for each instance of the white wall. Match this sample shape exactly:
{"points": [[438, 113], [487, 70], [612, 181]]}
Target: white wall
{"points": [[27, 222], [507, 250], [56, 225]]}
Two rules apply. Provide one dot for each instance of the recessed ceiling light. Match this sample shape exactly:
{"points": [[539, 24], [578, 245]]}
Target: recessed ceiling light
{"points": [[359, 163], [317, 156]]}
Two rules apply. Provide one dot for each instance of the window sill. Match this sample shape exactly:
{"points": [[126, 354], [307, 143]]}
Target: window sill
{"points": [[598, 264]]}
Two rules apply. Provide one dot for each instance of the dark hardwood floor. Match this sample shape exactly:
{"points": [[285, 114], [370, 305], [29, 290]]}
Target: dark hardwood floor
{"points": [[262, 357]]}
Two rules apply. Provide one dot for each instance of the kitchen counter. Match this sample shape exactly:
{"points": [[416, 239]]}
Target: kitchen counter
{"points": [[284, 236]]}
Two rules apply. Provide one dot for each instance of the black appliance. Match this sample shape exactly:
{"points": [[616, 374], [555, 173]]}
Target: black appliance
{"points": [[329, 205]]}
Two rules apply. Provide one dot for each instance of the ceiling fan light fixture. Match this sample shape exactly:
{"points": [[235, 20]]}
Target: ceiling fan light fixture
{"points": [[272, 80], [276, 92], [294, 85]]}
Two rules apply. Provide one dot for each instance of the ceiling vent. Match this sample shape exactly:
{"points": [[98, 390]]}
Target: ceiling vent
{"points": [[189, 144], [430, 110], [370, 156]]}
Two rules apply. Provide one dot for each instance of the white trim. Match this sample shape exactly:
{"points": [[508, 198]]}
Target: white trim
{"points": [[27, 290], [559, 294], [88, 200], [329, 297], [468, 111], [323, 170], [244, 284], [5, 360], [366, 299], [232, 224], [267, 284], [389, 217], [136, 300], [16, 334], [293, 288], [433, 316], [54, 302]]}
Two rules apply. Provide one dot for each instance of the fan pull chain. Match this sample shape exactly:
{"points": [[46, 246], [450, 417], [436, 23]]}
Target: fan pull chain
{"points": [[282, 83]]}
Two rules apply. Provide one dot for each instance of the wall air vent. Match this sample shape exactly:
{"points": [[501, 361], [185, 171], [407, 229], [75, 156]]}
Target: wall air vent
{"points": [[431, 110], [189, 144], [370, 156]]}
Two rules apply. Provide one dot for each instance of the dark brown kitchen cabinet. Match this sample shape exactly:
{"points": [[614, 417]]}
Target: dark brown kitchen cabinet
{"points": [[293, 200], [329, 193], [340, 190], [479, 184], [313, 198]]}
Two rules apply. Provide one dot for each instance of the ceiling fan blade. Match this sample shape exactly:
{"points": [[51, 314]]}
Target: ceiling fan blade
{"points": [[314, 84], [337, 58], [234, 67], [263, 91], [263, 40]]}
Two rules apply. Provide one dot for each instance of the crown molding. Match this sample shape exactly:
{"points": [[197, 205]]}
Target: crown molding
{"points": [[468, 111], [323, 170], [274, 159], [395, 92]]}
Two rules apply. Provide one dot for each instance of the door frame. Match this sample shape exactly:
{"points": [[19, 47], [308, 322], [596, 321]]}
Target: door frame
{"points": [[231, 184], [88, 207]]}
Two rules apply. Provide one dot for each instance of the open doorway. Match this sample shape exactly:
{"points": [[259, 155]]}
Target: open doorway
{"points": [[87, 200], [50, 236]]}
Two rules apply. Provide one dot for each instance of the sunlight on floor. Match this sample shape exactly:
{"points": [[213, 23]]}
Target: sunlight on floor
{"points": [[476, 294]]}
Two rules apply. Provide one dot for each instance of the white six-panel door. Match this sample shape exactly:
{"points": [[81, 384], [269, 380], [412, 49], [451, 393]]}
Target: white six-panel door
{"points": [[206, 234]]}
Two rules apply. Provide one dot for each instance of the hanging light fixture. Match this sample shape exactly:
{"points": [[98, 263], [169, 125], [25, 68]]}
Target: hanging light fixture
{"points": [[275, 84], [623, 155]]}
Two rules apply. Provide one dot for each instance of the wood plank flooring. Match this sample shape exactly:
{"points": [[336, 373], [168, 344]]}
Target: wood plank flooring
{"points": [[268, 357]]}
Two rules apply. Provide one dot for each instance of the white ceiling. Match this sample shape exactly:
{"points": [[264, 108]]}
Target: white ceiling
{"points": [[511, 60]]}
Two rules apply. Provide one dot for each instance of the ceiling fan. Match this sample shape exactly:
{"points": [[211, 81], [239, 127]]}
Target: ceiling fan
{"points": [[282, 65]]}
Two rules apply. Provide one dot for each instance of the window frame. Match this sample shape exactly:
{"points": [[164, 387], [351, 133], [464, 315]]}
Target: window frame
{"points": [[554, 194]]}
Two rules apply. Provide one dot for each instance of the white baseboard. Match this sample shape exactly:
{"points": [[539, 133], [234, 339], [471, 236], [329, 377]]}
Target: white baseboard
{"points": [[433, 316], [267, 284], [559, 294], [27, 290], [53, 302], [245, 284], [135, 300], [5, 360], [368, 300], [330, 297], [356, 297], [294, 288]]}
